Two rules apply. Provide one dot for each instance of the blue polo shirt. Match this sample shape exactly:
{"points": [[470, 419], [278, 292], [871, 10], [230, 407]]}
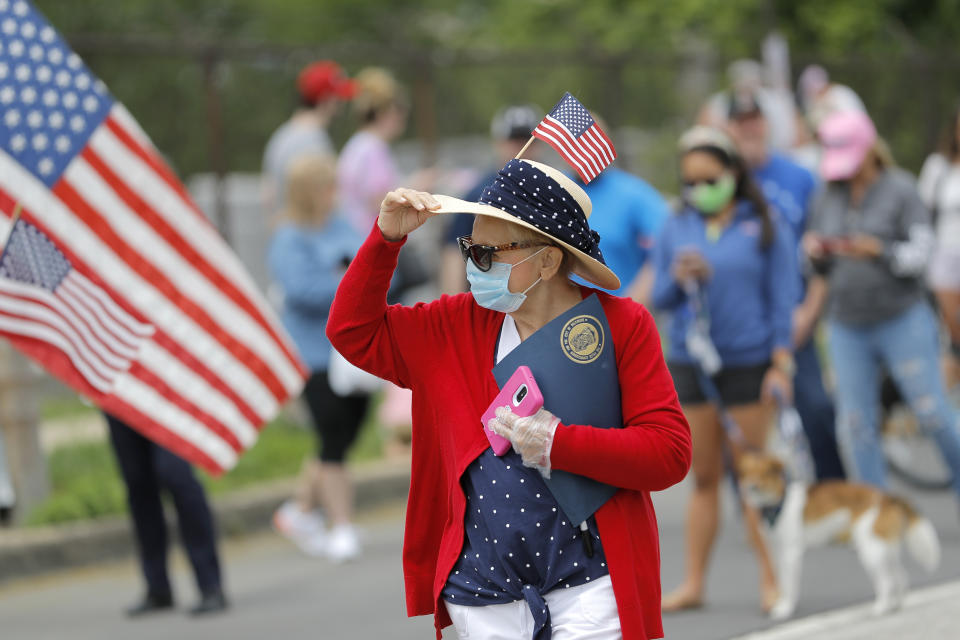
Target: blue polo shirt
{"points": [[750, 294], [628, 214]]}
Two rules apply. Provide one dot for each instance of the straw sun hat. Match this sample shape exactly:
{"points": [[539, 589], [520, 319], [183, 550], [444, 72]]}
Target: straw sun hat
{"points": [[543, 199]]}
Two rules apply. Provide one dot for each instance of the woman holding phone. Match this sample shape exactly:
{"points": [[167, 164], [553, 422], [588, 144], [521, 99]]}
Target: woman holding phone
{"points": [[486, 546], [726, 270], [871, 239]]}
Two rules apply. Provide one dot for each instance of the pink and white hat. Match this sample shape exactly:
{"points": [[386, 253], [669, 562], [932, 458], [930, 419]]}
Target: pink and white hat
{"points": [[846, 137]]}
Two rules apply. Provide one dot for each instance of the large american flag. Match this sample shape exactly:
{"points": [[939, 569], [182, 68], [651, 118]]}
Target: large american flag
{"points": [[186, 349], [574, 134]]}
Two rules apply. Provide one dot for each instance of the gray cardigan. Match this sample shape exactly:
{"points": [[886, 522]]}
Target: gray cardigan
{"points": [[867, 292]]}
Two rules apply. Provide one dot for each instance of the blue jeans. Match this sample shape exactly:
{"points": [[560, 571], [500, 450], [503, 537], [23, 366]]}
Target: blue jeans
{"points": [[908, 348], [816, 412]]}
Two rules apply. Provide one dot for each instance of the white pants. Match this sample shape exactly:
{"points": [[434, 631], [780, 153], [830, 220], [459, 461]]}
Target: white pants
{"points": [[586, 612]]}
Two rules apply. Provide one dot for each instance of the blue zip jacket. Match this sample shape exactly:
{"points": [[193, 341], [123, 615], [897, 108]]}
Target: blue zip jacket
{"points": [[308, 263], [751, 292]]}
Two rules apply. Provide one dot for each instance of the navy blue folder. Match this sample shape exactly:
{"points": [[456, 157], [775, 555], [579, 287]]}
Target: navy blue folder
{"points": [[573, 362]]}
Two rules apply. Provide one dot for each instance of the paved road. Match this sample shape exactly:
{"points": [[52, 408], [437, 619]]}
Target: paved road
{"points": [[832, 577], [280, 595]]}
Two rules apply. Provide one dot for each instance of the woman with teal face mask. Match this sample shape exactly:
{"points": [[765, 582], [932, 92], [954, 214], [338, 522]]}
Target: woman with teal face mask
{"points": [[472, 512], [726, 271]]}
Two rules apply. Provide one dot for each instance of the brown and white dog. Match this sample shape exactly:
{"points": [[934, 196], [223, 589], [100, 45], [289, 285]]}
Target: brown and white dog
{"points": [[875, 523]]}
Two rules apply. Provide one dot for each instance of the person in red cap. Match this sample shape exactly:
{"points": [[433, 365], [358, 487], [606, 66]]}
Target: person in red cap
{"points": [[321, 87]]}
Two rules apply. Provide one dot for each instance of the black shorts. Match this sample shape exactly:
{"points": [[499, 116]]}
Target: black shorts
{"points": [[736, 385], [337, 419]]}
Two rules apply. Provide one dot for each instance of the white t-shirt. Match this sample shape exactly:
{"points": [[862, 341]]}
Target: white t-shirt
{"points": [[939, 187], [509, 338]]}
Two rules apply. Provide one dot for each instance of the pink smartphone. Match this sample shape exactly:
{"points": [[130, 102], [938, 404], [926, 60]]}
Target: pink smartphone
{"points": [[522, 395]]}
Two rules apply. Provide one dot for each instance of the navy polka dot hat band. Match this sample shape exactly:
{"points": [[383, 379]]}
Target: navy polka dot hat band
{"points": [[544, 200], [528, 193]]}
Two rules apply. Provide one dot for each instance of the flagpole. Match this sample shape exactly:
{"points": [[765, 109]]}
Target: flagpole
{"points": [[529, 142]]}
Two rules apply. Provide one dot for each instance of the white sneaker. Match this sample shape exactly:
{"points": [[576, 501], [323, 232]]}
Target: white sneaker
{"points": [[302, 527], [343, 543], [314, 545]]}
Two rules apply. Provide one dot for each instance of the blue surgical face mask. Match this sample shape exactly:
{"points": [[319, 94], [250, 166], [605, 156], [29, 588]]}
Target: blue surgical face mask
{"points": [[491, 288]]}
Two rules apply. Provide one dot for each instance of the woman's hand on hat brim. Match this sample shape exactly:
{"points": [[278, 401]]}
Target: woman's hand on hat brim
{"points": [[404, 210]]}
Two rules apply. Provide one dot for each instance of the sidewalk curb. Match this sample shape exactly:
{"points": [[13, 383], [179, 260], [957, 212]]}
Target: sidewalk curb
{"points": [[31, 551], [817, 625]]}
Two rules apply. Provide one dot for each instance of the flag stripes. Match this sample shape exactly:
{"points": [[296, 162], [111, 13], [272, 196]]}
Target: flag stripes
{"points": [[115, 281], [170, 210], [197, 296], [221, 386]]}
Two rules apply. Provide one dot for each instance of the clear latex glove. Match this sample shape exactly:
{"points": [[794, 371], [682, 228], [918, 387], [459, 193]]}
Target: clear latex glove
{"points": [[532, 437]]}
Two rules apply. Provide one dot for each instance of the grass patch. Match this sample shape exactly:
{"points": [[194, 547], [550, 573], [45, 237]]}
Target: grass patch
{"points": [[58, 407], [85, 480]]}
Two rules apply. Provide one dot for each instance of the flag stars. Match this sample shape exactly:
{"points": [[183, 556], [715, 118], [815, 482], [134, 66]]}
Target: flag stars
{"points": [[45, 166], [16, 48], [55, 56], [11, 118]]}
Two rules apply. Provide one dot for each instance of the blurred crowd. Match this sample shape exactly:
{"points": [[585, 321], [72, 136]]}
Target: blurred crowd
{"points": [[792, 222], [792, 214]]}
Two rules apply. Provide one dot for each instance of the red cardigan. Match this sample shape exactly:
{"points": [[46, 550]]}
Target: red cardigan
{"points": [[444, 352]]}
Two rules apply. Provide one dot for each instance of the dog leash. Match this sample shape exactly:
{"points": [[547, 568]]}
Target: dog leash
{"points": [[710, 360], [790, 427]]}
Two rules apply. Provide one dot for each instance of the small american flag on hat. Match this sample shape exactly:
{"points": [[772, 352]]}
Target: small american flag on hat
{"points": [[574, 134]]}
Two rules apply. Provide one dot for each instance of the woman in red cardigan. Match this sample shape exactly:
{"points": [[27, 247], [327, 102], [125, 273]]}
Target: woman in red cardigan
{"points": [[486, 547]]}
